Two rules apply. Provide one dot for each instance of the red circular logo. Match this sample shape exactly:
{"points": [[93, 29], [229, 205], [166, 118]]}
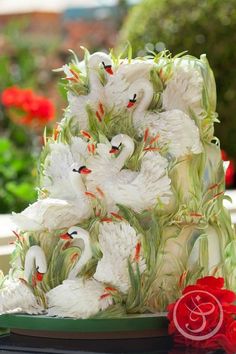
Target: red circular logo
{"points": [[198, 315]]}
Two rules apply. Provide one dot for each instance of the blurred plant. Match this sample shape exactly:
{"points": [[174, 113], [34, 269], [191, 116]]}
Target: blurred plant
{"points": [[17, 166], [16, 180], [22, 113], [197, 26], [27, 108]]}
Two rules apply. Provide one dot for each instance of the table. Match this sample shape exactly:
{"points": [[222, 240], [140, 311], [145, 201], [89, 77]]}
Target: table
{"points": [[32, 345]]}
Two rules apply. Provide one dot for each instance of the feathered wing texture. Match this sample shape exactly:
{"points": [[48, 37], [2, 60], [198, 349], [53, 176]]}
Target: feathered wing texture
{"points": [[138, 69], [117, 242], [49, 214], [16, 296], [176, 131], [115, 91], [184, 89], [78, 148], [57, 166], [77, 298], [180, 133], [149, 185], [102, 166]]}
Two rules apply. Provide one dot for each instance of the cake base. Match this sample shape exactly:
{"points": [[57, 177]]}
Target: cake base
{"points": [[136, 326], [14, 343]]}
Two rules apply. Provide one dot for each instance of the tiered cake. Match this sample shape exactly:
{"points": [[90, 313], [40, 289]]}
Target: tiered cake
{"points": [[130, 206]]}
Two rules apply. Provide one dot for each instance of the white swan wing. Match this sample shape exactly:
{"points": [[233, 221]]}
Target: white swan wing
{"points": [[179, 132], [49, 214], [184, 89], [79, 149], [101, 165], [115, 91], [17, 297], [127, 176], [77, 109], [117, 242], [76, 298], [151, 183], [136, 70], [78, 105], [57, 167]]}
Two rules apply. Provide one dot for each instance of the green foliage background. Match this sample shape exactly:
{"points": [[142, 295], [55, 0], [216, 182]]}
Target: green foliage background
{"points": [[198, 26], [21, 64]]}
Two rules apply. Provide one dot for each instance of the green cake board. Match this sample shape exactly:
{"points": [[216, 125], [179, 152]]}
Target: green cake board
{"points": [[136, 326]]}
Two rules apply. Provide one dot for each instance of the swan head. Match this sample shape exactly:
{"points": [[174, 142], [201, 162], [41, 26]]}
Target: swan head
{"points": [[101, 59], [81, 169], [136, 89], [39, 274], [121, 140], [74, 232]]}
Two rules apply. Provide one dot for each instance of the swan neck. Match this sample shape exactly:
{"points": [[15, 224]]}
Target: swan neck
{"points": [[84, 258], [126, 152], [34, 257], [94, 82], [144, 103], [77, 184]]}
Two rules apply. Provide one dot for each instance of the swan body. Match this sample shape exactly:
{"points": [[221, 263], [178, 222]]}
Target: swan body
{"points": [[64, 168], [46, 214], [118, 242], [136, 190], [16, 295], [177, 130], [76, 297]]}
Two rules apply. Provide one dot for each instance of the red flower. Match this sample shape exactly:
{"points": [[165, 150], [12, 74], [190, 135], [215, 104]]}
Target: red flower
{"points": [[230, 171], [204, 317], [28, 108]]}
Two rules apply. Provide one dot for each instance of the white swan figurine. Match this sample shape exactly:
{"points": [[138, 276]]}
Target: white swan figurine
{"points": [[137, 190], [111, 96], [78, 104], [119, 243], [16, 294], [175, 128], [76, 297], [67, 203], [51, 214], [117, 85]]}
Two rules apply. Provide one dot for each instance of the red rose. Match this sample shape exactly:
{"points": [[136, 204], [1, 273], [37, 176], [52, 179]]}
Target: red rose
{"points": [[204, 316]]}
